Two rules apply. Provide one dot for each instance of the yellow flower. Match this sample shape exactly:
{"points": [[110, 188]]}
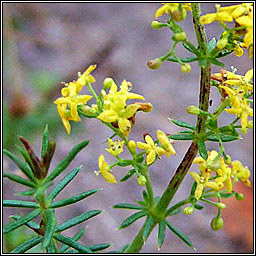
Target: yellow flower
{"points": [[202, 183], [151, 149], [64, 114], [104, 170], [219, 16], [240, 172], [225, 175], [170, 8], [115, 147], [81, 81], [203, 165], [236, 10], [165, 141]]}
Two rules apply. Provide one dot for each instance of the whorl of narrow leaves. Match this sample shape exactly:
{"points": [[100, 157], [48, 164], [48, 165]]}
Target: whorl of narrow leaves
{"points": [[19, 179], [161, 233], [128, 221]]}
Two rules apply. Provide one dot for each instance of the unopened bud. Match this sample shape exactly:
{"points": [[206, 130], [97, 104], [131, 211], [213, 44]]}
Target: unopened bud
{"points": [[180, 36], [154, 64], [221, 205], [250, 124], [132, 146], [217, 223], [185, 68], [239, 196], [227, 159], [179, 14], [107, 83], [188, 210], [141, 180], [222, 43], [88, 110], [193, 110], [156, 25], [213, 165]]}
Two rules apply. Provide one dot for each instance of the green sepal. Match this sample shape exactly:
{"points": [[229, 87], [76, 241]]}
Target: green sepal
{"points": [[27, 245], [198, 207], [229, 130], [202, 149], [212, 44], [50, 224], [73, 199], [19, 179], [183, 124], [202, 62], [51, 248], [189, 48], [76, 237], [63, 183], [170, 212], [226, 195], [217, 63], [223, 137], [179, 234], [128, 206], [67, 160], [184, 60], [161, 233], [23, 220], [124, 163], [19, 203], [23, 167], [45, 142], [183, 136], [150, 222], [128, 175], [76, 220], [131, 219], [72, 243], [98, 247]]}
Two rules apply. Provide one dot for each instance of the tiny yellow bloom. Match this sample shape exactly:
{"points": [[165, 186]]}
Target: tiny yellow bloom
{"points": [[104, 170], [115, 147], [81, 81], [151, 149], [240, 172], [64, 114], [166, 144], [219, 16]]}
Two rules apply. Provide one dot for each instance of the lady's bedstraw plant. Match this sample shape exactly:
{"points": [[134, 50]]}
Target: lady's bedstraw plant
{"points": [[117, 107]]}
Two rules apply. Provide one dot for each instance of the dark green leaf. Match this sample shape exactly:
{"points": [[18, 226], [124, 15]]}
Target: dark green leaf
{"points": [[128, 221], [45, 142], [193, 188], [198, 207], [63, 183], [31, 224], [67, 160], [28, 192], [142, 203], [156, 199], [229, 130], [190, 48], [212, 44], [23, 220], [226, 195], [217, 63], [224, 53], [26, 157], [202, 149], [183, 124], [223, 137], [73, 199], [149, 225], [98, 247], [19, 203], [51, 248], [49, 216], [19, 179], [76, 237], [27, 245], [184, 60], [179, 234], [125, 163], [145, 196], [128, 175], [186, 132], [128, 206], [202, 62], [123, 248], [170, 212], [77, 220], [212, 124], [23, 167], [161, 233], [72, 243], [181, 136]]}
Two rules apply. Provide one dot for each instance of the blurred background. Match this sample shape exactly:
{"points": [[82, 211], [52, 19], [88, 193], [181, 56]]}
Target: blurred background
{"points": [[46, 43]]}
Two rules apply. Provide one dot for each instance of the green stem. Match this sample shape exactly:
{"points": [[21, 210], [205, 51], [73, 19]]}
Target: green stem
{"points": [[144, 172]]}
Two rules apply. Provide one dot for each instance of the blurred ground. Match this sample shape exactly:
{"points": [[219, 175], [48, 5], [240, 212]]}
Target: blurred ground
{"points": [[46, 43]]}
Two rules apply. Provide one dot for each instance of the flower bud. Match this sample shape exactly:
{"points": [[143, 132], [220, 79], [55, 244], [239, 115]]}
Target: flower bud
{"points": [[227, 160], [239, 196], [156, 25], [154, 64], [132, 146], [188, 210], [217, 223], [222, 43], [221, 205], [193, 110], [213, 165], [180, 36], [141, 180], [88, 110], [185, 68], [250, 124], [179, 14], [107, 83]]}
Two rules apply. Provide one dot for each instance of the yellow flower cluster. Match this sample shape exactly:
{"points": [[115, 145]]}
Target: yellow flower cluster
{"points": [[72, 99], [236, 86], [223, 172], [115, 109], [152, 149], [243, 16]]}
